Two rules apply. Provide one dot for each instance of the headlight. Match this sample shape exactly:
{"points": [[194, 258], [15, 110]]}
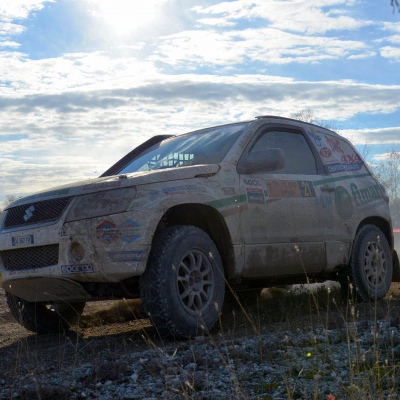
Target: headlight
{"points": [[101, 203]]}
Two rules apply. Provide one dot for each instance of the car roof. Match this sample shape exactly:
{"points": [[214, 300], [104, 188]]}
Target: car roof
{"points": [[294, 120]]}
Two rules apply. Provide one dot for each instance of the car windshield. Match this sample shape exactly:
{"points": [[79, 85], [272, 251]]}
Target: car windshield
{"points": [[208, 146]]}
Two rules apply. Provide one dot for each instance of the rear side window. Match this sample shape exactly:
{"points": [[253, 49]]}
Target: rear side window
{"points": [[339, 156], [299, 158]]}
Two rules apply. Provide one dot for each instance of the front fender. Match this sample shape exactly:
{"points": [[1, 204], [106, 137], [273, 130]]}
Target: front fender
{"points": [[153, 203]]}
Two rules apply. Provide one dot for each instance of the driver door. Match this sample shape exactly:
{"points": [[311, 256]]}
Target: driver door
{"points": [[285, 226]]}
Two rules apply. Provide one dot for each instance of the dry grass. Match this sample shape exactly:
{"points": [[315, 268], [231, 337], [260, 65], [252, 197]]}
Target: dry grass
{"points": [[115, 328]]}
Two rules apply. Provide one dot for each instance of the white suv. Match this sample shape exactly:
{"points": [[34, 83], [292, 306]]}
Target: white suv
{"points": [[248, 205]]}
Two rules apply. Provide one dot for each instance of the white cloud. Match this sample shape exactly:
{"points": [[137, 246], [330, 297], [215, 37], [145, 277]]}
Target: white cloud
{"points": [[367, 54], [392, 27], [391, 52], [297, 16], [19, 9], [383, 156], [329, 99], [380, 136], [7, 28], [72, 71], [272, 46], [219, 22], [20, 177], [7, 43]]}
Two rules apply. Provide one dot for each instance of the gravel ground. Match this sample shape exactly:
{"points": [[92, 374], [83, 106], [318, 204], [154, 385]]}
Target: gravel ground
{"points": [[285, 345]]}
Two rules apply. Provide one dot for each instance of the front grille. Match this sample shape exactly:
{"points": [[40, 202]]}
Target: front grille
{"points": [[40, 212], [30, 257]]}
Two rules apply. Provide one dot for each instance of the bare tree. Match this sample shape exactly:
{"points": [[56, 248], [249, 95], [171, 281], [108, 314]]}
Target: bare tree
{"points": [[307, 115], [364, 151], [394, 4], [9, 199], [388, 173]]}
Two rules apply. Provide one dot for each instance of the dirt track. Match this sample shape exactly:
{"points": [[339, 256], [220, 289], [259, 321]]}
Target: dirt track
{"points": [[120, 327]]}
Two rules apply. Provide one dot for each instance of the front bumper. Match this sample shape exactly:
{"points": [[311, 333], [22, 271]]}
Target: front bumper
{"points": [[100, 250], [39, 289]]}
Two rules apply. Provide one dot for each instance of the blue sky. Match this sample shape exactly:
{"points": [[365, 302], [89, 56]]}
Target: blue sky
{"points": [[82, 82]]}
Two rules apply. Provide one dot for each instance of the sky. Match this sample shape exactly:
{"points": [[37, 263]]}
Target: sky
{"points": [[82, 82]]}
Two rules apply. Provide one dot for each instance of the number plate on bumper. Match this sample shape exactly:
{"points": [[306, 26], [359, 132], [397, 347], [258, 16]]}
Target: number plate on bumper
{"points": [[22, 240]]}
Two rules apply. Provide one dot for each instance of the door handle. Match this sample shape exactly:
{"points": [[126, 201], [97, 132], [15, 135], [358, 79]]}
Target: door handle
{"points": [[327, 188]]}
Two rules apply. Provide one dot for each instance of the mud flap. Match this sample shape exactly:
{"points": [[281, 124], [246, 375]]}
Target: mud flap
{"points": [[396, 267]]}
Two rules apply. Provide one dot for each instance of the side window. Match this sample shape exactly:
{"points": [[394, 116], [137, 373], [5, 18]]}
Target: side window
{"points": [[298, 155]]}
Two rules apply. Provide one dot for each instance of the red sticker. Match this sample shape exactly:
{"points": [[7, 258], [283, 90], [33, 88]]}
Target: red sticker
{"points": [[325, 152]]}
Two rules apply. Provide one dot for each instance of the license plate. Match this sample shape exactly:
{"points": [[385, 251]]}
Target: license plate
{"points": [[22, 240]]}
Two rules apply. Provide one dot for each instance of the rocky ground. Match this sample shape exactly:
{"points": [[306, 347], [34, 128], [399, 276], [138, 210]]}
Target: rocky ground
{"points": [[284, 345]]}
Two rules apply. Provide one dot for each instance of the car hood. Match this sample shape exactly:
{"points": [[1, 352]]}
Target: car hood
{"points": [[119, 181]]}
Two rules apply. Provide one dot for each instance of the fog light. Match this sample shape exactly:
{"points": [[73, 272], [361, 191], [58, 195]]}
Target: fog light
{"points": [[76, 253]]}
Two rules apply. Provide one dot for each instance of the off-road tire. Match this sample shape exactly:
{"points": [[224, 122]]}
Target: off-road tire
{"points": [[369, 273], [41, 318], [183, 287]]}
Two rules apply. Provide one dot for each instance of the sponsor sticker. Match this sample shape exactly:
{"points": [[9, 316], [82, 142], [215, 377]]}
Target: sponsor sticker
{"points": [[234, 204], [365, 195], [325, 152], [22, 240], [229, 191], [334, 144], [278, 188], [107, 232], [306, 188], [77, 269], [314, 135], [183, 189], [252, 182], [324, 201], [255, 196], [341, 167], [24, 272], [125, 256], [128, 231]]}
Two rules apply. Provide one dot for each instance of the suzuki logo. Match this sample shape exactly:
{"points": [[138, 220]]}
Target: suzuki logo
{"points": [[29, 213]]}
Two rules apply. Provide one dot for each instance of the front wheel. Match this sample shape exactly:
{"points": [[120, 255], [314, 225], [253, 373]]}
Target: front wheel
{"points": [[183, 286], [370, 269], [44, 318]]}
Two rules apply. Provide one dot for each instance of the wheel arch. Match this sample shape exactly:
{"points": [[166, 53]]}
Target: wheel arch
{"points": [[380, 223], [207, 219], [386, 228]]}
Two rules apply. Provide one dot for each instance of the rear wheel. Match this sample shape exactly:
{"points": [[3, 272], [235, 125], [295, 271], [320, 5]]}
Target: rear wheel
{"points": [[44, 318], [370, 269], [183, 286]]}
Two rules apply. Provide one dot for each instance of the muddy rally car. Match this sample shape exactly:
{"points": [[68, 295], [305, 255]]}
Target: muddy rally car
{"points": [[181, 219]]}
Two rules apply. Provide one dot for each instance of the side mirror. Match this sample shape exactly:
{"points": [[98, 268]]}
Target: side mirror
{"points": [[261, 161]]}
